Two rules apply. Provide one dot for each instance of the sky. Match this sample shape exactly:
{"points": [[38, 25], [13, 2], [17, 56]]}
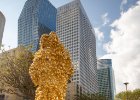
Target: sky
{"points": [[116, 24]]}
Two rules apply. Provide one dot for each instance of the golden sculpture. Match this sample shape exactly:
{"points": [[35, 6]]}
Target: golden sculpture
{"points": [[51, 69]]}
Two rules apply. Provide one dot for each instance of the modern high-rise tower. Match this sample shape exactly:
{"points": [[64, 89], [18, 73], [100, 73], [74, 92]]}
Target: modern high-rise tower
{"points": [[106, 78], [75, 31], [2, 24], [36, 18]]}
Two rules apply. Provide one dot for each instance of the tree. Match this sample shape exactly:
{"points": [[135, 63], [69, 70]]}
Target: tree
{"points": [[131, 95], [82, 97], [123, 95], [14, 69], [136, 94], [97, 96], [90, 97]]}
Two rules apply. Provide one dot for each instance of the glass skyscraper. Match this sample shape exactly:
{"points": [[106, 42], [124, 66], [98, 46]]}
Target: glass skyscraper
{"points": [[2, 24], [37, 17], [75, 31], [106, 78]]}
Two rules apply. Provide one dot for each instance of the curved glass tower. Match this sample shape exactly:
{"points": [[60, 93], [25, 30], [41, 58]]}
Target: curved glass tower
{"points": [[36, 18], [2, 23], [106, 79]]}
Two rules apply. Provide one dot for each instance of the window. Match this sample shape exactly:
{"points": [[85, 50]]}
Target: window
{"points": [[2, 96]]}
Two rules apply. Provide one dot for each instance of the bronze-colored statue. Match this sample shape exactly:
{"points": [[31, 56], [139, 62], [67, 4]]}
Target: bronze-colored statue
{"points": [[51, 69]]}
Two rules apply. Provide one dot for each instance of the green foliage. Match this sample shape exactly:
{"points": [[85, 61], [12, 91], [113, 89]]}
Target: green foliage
{"points": [[82, 97], [14, 69], [130, 95], [90, 97]]}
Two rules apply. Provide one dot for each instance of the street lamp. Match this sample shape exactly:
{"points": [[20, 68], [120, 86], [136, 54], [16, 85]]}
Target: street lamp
{"points": [[126, 83]]}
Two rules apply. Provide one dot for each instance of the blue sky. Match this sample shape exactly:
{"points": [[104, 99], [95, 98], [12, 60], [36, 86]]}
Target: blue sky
{"points": [[95, 10], [115, 23]]}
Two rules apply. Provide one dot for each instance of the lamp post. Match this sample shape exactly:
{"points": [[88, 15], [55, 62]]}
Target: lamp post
{"points": [[126, 83]]}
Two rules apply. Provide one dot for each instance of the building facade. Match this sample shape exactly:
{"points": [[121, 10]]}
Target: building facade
{"points": [[106, 78], [2, 24], [75, 31], [71, 91], [37, 17]]}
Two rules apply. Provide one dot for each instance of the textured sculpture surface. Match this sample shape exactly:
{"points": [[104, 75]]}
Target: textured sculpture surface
{"points": [[51, 69]]}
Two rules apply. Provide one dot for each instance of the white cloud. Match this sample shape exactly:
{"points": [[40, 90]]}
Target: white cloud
{"points": [[125, 43], [99, 34], [105, 19], [124, 2]]}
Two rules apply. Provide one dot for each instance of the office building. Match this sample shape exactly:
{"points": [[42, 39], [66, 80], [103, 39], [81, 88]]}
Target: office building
{"points": [[106, 79], [71, 91], [75, 31], [37, 17], [2, 24]]}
